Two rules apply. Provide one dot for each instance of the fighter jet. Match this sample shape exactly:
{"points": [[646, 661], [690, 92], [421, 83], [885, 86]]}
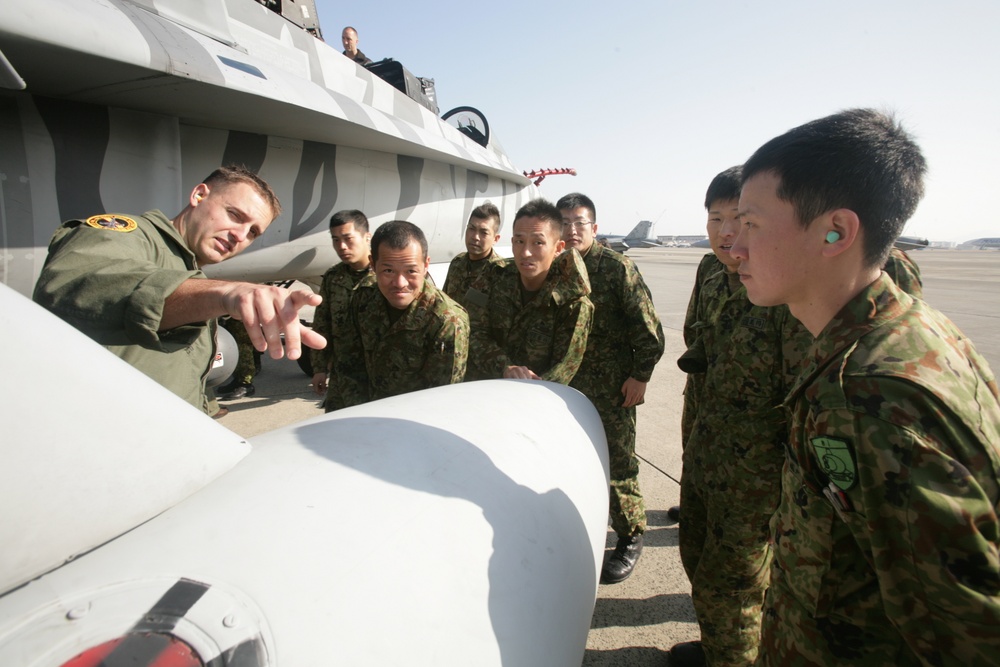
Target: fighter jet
{"points": [[405, 531], [641, 236], [124, 105]]}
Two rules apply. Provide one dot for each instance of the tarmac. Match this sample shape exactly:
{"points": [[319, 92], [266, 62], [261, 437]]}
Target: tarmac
{"points": [[637, 621]]}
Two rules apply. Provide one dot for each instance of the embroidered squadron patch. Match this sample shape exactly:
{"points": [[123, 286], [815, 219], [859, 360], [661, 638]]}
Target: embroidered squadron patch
{"points": [[836, 458], [112, 223]]}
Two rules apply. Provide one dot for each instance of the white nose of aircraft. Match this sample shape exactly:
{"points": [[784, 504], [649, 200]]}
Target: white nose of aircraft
{"points": [[410, 530]]}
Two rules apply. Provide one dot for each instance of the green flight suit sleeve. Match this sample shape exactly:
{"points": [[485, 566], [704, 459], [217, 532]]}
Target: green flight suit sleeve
{"points": [[109, 285]]}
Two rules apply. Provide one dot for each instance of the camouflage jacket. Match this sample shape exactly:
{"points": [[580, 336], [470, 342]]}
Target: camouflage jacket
{"points": [[749, 354], [708, 265], [338, 284], [427, 346], [889, 513], [904, 272], [626, 339], [548, 334], [111, 281], [462, 273]]}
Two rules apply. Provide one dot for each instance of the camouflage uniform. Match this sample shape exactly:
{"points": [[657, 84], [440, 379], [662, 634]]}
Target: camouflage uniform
{"points": [[330, 319], [708, 265], [548, 334], [904, 272], [732, 462], [626, 340], [887, 537], [383, 353], [463, 272], [247, 354], [111, 283]]}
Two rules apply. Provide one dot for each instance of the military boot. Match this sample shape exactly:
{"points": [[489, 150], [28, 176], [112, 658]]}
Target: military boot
{"points": [[622, 561], [688, 654]]}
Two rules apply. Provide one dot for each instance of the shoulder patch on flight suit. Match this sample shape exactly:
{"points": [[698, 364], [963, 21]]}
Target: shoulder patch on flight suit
{"points": [[112, 223], [836, 459]]}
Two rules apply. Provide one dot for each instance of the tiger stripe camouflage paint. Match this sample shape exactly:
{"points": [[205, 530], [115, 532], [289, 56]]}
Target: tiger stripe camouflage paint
{"points": [[134, 118]]}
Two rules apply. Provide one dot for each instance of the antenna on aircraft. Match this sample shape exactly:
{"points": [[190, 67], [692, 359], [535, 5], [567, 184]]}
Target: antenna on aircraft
{"points": [[540, 174]]}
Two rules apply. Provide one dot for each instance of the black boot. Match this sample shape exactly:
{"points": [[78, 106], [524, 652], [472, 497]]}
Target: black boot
{"points": [[688, 654], [622, 561], [240, 391], [233, 383]]}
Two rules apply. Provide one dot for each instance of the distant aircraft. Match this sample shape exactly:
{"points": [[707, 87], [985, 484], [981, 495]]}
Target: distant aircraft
{"points": [[911, 243], [984, 243], [641, 236], [123, 106]]}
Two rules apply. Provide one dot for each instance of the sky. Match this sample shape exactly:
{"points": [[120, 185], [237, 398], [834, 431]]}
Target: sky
{"points": [[649, 100]]}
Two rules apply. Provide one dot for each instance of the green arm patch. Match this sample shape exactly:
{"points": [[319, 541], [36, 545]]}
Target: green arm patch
{"points": [[836, 459]]}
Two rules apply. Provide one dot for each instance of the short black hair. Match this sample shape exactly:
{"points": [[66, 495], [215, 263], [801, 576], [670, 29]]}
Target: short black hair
{"points": [[725, 186], [487, 211], [398, 234], [577, 200], [859, 159], [350, 215], [544, 211]]}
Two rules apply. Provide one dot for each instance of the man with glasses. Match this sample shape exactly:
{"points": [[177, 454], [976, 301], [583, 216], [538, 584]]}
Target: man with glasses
{"points": [[626, 341]]}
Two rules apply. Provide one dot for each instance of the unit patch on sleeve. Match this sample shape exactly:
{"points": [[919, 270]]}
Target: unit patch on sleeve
{"points": [[836, 459], [112, 223]]}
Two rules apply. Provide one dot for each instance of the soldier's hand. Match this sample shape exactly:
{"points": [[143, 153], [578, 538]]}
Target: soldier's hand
{"points": [[319, 383], [633, 391], [268, 311], [519, 373]]}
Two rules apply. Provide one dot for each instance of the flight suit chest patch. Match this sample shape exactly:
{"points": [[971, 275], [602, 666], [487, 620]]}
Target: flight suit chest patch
{"points": [[751, 322], [112, 223]]}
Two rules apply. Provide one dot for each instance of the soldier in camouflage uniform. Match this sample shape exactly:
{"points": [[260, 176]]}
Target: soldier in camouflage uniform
{"points": [[625, 342], [481, 234], [887, 533], [904, 272], [708, 265], [352, 243], [531, 318], [247, 363], [403, 333], [733, 449]]}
